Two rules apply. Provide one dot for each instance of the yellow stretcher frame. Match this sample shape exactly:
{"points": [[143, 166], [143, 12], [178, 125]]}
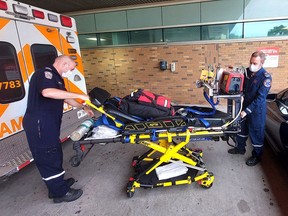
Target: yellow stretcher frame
{"points": [[170, 152]]}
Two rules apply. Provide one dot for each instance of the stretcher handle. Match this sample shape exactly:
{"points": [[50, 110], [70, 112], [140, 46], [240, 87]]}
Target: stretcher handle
{"points": [[101, 110]]}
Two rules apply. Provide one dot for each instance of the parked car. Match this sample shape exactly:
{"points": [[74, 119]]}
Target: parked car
{"points": [[276, 133]]}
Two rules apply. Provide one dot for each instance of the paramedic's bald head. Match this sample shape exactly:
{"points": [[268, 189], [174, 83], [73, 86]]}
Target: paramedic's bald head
{"points": [[64, 63]]}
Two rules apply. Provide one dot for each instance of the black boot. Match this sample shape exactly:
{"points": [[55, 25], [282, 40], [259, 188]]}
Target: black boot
{"points": [[236, 151], [252, 161], [70, 182], [71, 195]]}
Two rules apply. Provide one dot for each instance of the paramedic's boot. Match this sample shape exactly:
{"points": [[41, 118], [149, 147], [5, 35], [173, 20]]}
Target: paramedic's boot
{"points": [[71, 195], [236, 151], [70, 182], [252, 161]]}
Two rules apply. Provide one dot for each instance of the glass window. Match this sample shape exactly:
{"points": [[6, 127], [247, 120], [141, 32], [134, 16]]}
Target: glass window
{"points": [[219, 11], [11, 83], [87, 40], [264, 29], [146, 36], [182, 34], [43, 55], [85, 23], [222, 32], [259, 9], [113, 38]]}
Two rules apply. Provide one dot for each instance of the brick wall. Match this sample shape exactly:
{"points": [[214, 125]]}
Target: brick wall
{"points": [[123, 69]]}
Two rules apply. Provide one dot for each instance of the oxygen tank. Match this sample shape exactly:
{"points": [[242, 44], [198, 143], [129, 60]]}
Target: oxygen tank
{"points": [[81, 130], [219, 74]]}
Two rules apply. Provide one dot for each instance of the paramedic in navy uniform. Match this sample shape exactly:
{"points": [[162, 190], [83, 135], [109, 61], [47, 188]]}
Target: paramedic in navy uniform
{"points": [[257, 84], [42, 123]]}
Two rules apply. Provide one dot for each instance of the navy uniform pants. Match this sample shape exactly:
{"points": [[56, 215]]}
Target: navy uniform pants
{"points": [[43, 137], [253, 128]]}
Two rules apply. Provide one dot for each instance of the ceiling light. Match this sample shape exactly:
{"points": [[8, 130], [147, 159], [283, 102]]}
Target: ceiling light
{"points": [[92, 38]]}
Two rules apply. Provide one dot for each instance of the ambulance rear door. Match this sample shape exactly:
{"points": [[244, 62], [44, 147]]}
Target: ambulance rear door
{"points": [[13, 99], [40, 44], [39, 51]]}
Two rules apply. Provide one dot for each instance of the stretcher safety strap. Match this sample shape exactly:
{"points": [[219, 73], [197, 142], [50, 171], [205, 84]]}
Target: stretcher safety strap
{"points": [[210, 101], [127, 139], [106, 123], [53, 177], [153, 136], [206, 123]]}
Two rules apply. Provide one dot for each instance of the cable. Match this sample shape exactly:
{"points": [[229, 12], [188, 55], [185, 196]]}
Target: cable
{"points": [[229, 123], [210, 101]]}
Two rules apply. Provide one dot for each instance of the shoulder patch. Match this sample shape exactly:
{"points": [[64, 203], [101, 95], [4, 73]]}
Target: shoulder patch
{"points": [[48, 74], [266, 74], [267, 83], [48, 68]]}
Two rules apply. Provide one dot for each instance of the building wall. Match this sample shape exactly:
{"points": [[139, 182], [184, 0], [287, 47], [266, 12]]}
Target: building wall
{"points": [[184, 14], [120, 70]]}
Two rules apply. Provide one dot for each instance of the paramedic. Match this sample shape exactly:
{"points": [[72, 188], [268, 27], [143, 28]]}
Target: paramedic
{"points": [[42, 122], [257, 84]]}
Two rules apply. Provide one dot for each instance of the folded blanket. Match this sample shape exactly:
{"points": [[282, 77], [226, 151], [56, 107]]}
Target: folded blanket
{"points": [[171, 170]]}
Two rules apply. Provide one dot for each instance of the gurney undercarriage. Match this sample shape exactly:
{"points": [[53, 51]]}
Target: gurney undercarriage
{"points": [[165, 148], [168, 161]]}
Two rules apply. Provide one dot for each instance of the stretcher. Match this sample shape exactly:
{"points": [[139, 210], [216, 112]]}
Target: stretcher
{"points": [[167, 139]]}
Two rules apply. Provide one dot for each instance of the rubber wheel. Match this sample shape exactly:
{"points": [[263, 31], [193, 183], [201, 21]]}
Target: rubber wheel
{"points": [[130, 194], [135, 158], [207, 187], [75, 161]]}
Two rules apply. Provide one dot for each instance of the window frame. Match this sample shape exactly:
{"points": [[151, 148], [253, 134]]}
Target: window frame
{"points": [[34, 57], [11, 83]]}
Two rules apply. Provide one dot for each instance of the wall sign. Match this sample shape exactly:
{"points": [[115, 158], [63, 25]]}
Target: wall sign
{"points": [[272, 56]]}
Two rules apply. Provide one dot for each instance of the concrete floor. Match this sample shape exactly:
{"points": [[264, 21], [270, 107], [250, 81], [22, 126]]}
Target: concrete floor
{"points": [[103, 175]]}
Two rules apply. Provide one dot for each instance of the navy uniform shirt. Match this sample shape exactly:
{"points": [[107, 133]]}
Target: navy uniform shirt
{"points": [[37, 103], [42, 120], [256, 88]]}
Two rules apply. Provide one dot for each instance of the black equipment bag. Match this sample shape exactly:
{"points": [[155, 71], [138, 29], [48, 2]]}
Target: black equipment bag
{"points": [[146, 105], [98, 96]]}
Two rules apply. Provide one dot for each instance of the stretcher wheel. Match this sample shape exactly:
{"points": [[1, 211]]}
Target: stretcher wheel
{"points": [[135, 158], [207, 186], [208, 181], [75, 161], [130, 194], [135, 161], [130, 189]]}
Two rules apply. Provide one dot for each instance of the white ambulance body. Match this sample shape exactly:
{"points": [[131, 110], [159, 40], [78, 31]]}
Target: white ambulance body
{"points": [[31, 38]]}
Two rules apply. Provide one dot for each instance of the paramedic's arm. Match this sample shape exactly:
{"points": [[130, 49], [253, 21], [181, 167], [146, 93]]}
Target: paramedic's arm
{"points": [[74, 103], [69, 97], [61, 94]]}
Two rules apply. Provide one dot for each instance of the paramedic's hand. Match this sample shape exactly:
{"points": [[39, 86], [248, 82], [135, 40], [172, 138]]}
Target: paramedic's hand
{"points": [[243, 114], [84, 97], [88, 110]]}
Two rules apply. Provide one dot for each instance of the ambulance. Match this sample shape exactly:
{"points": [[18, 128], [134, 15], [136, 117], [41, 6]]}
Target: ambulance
{"points": [[31, 38]]}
